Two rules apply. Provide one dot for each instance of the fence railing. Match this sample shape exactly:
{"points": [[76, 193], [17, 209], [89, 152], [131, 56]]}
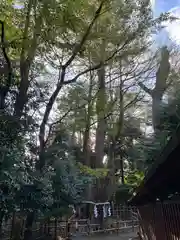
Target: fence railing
{"points": [[14, 228], [160, 221], [114, 226], [124, 218]]}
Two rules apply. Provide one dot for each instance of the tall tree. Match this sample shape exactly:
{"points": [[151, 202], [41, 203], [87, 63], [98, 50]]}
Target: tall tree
{"points": [[161, 85]]}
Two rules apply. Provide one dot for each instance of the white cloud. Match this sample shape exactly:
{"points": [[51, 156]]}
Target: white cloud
{"points": [[173, 28], [152, 2]]}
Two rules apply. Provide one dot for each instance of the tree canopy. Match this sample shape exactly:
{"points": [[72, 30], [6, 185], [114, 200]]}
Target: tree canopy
{"points": [[75, 81]]}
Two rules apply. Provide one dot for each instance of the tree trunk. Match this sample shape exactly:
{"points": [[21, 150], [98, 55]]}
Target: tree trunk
{"points": [[101, 121], [27, 58], [111, 186], [100, 130], [16, 228], [7, 70], [22, 95], [1, 221], [86, 147], [156, 109], [160, 87], [28, 226], [122, 169]]}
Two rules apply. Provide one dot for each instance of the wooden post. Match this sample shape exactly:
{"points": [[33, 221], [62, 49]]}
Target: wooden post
{"points": [[12, 225], [48, 226], [41, 229], [55, 230], [22, 227], [117, 226], [68, 230], [132, 225], [45, 228], [88, 227], [76, 226]]}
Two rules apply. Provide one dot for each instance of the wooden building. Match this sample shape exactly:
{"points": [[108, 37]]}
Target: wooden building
{"points": [[158, 196]]}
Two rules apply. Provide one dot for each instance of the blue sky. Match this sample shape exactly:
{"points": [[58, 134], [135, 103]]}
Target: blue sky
{"points": [[172, 32], [165, 5]]}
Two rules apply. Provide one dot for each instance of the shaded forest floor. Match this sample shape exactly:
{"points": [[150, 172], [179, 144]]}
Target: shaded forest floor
{"points": [[120, 236]]}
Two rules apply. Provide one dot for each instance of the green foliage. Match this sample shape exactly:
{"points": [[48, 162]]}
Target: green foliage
{"points": [[68, 182], [134, 178], [23, 188], [97, 172], [123, 193], [74, 103], [45, 33], [12, 172], [170, 115]]}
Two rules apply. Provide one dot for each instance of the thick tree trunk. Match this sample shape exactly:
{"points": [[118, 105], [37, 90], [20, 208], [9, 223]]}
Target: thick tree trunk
{"points": [[86, 148], [101, 121], [28, 226], [16, 227], [122, 170], [100, 131], [156, 109], [26, 59], [22, 95], [86, 138], [112, 165], [160, 87], [1, 221]]}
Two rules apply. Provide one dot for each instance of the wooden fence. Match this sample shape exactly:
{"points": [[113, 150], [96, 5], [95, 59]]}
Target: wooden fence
{"points": [[160, 221], [123, 219], [14, 228]]}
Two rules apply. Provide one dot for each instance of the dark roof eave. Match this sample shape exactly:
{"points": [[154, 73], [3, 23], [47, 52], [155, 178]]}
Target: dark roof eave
{"points": [[171, 145]]}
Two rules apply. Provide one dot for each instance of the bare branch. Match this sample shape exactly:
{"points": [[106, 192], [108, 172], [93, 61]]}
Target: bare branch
{"points": [[133, 101], [55, 123], [146, 89]]}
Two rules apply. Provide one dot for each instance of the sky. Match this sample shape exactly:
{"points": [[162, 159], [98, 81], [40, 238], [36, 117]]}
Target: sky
{"points": [[172, 32]]}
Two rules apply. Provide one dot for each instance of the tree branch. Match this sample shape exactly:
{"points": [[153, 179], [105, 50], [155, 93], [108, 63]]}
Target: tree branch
{"points": [[133, 101], [61, 80], [146, 89], [25, 33], [95, 67], [4, 89], [57, 122], [84, 38]]}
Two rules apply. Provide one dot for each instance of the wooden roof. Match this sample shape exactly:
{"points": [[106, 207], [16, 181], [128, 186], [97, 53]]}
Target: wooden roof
{"points": [[163, 178]]}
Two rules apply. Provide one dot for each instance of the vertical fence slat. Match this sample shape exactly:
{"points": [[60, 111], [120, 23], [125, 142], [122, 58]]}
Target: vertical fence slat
{"points": [[178, 220], [170, 221], [175, 221], [12, 226], [160, 221]]}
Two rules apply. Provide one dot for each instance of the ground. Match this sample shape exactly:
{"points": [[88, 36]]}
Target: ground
{"points": [[120, 236]]}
